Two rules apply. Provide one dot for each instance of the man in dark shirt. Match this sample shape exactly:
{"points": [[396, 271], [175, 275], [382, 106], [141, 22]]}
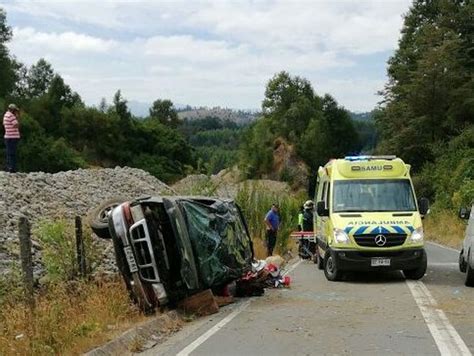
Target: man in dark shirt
{"points": [[272, 222]]}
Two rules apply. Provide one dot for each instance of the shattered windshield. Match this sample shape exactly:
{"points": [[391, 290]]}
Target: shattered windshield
{"points": [[374, 195], [222, 247]]}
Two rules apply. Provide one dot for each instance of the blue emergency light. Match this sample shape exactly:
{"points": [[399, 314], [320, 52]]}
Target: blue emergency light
{"points": [[368, 158]]}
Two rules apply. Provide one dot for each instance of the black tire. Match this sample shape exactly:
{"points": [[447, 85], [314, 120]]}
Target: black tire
{"points": [[320, 261], [469, 282], [419, 272], [331, 271], [462, 263], [98, 217]]}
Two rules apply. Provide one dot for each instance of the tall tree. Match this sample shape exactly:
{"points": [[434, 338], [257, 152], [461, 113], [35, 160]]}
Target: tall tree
{"points": [[291, 102], [7, 72], [120, 107], [39, 78], [428, 98], [164, 111]]}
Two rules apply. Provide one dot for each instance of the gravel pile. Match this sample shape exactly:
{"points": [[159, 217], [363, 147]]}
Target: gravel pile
{"points": [[226, 183], [42, 196]]}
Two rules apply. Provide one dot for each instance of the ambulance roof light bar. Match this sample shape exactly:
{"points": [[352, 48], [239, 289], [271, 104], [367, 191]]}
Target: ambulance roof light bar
{"points": [[369, 158]]}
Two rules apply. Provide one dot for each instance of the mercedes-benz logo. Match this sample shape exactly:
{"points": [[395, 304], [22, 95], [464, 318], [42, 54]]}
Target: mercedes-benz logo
{"points": [[380, 240]]}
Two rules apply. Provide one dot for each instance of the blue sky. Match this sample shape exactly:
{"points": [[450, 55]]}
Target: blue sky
{"points": [[218, 53]]}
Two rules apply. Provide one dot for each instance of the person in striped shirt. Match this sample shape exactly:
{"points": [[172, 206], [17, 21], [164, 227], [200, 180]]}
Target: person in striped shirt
{"points": [[12, 136]]}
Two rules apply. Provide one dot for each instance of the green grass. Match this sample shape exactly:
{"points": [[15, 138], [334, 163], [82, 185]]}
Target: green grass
{"points": [[255, 201]]}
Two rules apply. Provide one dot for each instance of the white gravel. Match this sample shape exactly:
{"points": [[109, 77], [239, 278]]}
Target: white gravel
{"points": [[43, 196]]}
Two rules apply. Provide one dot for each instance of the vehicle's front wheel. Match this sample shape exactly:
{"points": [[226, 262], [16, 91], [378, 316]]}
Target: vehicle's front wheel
{"points": [[320, 260], [419, 272], [331, 271], [462, 263], [99, 217], [469, 273]]}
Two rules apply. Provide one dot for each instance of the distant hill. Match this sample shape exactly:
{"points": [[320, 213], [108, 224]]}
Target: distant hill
{"points": [[241, 117], [238, 116], [362, 116], [142, 109]]}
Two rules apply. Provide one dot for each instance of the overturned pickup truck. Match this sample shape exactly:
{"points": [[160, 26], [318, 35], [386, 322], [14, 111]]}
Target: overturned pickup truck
{"points": [[168, 248]]}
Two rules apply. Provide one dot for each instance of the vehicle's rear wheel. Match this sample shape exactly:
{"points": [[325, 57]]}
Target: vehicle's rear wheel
{"points": [[331, 271], [98, 217], [469, 272], [462, 262], [419, 272]]}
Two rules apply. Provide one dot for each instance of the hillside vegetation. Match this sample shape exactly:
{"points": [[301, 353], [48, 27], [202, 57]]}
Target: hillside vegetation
{"points": [[317, 127], [215, 142], [427, 116], [59, 132]]}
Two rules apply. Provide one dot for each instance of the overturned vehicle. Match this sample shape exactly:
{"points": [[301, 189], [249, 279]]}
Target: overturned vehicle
{"points": [[168, 248]]}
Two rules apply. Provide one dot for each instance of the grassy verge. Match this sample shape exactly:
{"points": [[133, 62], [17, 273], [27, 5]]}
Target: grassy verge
{"points": [[72, 314], [255, 201], [445, 228], [69, 318]]}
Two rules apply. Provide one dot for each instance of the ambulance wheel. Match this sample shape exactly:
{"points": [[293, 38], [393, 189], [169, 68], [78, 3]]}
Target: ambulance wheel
{"points": [[419, 272], [331, 271], [320, 261]]}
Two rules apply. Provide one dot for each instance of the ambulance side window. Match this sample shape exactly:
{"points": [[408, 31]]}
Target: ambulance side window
{"points": [[326, 197], [323, 192]]}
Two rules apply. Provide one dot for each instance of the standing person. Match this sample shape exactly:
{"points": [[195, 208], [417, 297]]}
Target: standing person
{"points": [[272, 221], [300, 219], [12, 136], [305, 223], [308, 216]]}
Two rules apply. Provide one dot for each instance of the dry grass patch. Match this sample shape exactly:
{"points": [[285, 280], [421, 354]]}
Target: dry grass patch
{"points": [[445, 228], [69, 318]]}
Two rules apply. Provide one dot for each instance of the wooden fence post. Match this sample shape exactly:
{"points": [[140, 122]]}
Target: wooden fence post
{"points": [[80, 249], [26, 259]]}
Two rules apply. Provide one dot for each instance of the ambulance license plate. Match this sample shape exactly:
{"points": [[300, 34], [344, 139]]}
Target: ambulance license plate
{"points": [[380, 261], [132, 264]]}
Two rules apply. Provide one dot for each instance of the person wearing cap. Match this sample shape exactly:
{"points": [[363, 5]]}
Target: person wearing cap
{"points": [[12, 136], [272, 222], [305, 223], [308, 216]]}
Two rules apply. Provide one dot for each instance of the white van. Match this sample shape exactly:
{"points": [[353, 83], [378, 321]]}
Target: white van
{"points": [[466, 257]]}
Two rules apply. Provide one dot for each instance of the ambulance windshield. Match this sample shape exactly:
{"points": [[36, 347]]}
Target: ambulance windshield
{"points": [[373, 195]]}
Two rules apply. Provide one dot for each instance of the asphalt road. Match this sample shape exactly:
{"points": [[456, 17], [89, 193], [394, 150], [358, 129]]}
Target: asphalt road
{"points": [[366, 314]]}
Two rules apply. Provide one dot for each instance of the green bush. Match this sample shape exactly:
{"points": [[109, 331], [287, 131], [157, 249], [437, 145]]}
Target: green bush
{"points": [[59, 249]]}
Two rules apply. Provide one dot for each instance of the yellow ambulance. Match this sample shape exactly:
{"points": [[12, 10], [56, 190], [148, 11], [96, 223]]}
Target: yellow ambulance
{"points": [[368, 218]]}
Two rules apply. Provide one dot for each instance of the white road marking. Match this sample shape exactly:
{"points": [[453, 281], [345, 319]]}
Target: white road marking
{"points": [[444, 334], [442, 246], [201, 339], [443, 264], [292, 268]]}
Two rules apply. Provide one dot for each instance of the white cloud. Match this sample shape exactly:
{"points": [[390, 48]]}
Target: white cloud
{"points": [[210, 53], [65, 41]]}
